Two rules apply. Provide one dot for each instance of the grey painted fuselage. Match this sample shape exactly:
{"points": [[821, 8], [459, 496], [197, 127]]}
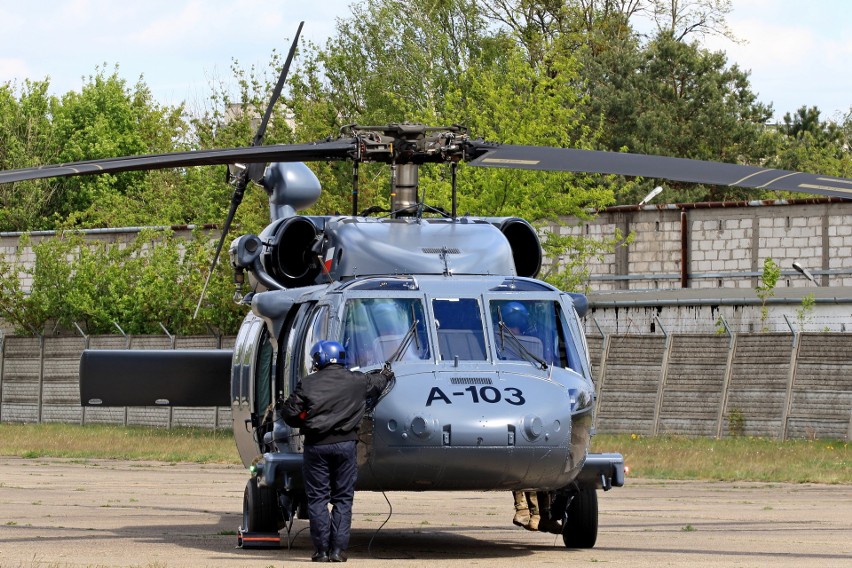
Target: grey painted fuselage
{"points": [[469, 409]]}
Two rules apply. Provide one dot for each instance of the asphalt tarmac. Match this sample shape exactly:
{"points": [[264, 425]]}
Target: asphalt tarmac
{"points": [[60, 513]]}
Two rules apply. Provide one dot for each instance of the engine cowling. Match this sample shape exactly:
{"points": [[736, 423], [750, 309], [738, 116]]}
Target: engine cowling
{"points": [[288, 256], [526, 246]]}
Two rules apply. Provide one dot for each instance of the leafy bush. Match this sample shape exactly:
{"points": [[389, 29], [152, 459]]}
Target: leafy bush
{"points": [[138, 285]]}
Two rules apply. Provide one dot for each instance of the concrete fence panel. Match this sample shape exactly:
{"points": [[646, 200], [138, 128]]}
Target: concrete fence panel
{"points": [[596, 345], [694, 380], [61, 382], [821, 394], [630, 383], [757, 393], [41, 384], [20, 385]]}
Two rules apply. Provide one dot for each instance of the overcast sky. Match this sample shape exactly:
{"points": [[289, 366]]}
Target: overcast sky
{"points": [[799, 51]]}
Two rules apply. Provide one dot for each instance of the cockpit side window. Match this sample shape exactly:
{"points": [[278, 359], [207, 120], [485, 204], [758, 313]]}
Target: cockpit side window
{"points": [[540, 330], [377, 329], [574, 360], [460, 330], [582, 348], [317, 330]]}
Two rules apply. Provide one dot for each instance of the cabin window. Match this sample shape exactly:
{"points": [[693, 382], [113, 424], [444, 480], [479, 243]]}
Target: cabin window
{"points": [[460, 334], [534, 330], [376, 330]]}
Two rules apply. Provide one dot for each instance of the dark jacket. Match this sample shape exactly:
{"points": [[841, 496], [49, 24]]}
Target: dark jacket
{"points": [[328, 405]]}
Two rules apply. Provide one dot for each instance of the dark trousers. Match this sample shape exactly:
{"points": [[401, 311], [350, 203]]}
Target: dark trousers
{"points": [[330, 471]]}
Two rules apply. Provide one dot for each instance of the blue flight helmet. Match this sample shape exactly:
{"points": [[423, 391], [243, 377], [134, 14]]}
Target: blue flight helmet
{"points": [[325, 353], [515, 315]]}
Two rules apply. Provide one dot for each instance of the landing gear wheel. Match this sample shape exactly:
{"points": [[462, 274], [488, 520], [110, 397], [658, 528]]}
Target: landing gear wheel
{"points": [[581, 526], [302, 509], [260, 508]]}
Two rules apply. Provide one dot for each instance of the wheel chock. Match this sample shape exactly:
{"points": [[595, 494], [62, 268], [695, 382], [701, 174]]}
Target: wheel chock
{"points": [[247, 539]]}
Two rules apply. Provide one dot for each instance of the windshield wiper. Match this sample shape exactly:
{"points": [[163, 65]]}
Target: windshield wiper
{"points": [[523, 351], [406, 341]]}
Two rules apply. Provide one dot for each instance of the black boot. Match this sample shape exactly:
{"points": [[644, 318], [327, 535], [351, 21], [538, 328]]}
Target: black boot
{"points": [[320, 556], [337, 555]]}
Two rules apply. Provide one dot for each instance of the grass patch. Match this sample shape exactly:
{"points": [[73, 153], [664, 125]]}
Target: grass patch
{"points": [[661, 457], [731, 459], [118, 442]]}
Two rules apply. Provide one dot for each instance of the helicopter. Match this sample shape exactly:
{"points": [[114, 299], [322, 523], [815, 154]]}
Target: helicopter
{"points": [[478, 403]]}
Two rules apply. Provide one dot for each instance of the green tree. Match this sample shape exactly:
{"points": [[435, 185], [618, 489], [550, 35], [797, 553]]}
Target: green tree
{"points": [[104, 119], [807, 143], [687, 102], [108, 119], [664, 95], [27, 139]]}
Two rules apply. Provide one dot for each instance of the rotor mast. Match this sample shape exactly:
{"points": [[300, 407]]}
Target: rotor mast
{"points": [[405, 147]]}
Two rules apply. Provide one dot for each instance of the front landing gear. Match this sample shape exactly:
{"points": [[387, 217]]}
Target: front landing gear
{"points": [[581, 524], [260, 517]]}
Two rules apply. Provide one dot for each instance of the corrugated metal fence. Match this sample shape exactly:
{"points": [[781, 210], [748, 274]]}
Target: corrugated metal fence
{"points": [[761, 384]]}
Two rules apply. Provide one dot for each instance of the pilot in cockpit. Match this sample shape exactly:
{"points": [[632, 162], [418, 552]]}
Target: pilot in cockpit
{"points": [[516, 318], [375, 329]]}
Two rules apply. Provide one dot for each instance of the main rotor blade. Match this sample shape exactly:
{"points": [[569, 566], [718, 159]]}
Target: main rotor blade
{"points": [[232, 210], [282, 78], [658, 167], [256, 169], [315, 151]]}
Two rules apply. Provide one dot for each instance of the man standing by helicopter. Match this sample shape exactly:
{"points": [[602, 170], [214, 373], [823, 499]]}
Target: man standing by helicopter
{"points": [[328, 406]]}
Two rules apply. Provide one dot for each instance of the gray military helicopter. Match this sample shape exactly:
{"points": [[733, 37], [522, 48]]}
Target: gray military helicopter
{"points": [[493, 388]]}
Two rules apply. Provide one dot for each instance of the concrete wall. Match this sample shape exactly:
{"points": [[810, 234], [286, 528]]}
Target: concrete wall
{"points": [[720, 245], [773, 385]]}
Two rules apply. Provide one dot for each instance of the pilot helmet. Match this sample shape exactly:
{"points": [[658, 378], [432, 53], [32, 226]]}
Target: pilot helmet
{"points": [[325, 353], [516, 315]]}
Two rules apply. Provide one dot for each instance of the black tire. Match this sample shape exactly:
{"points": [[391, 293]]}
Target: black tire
{"points": [[581, 526], [302, 509], [260, 508]]}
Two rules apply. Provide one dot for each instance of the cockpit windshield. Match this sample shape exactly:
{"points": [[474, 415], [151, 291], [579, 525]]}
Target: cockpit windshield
{"points": [[460, 334], [375, 329], [533, 330], [529, 331]]}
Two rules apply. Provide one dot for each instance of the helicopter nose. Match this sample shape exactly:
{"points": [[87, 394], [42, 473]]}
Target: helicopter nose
{"points": [[475, 411], [472, 431]]}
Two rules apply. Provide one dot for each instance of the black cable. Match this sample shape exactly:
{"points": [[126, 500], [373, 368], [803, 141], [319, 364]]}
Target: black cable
{"points": [[390, 514]]}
